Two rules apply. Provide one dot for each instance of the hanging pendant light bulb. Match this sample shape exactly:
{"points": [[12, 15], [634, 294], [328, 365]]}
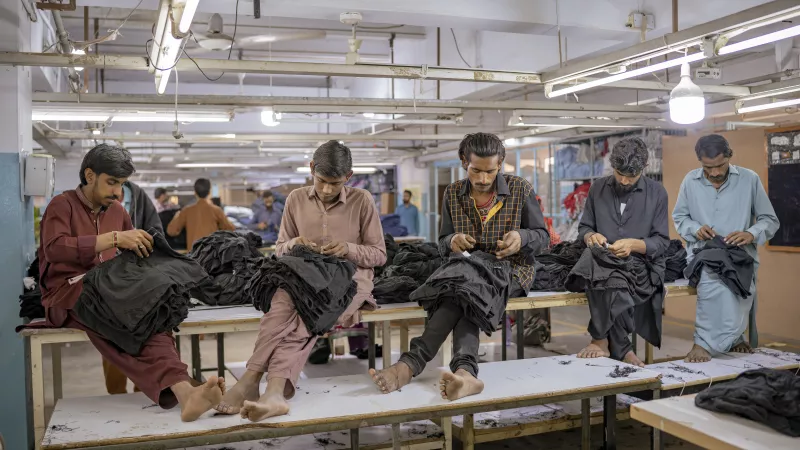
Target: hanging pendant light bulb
{"points": [[686, 102]]}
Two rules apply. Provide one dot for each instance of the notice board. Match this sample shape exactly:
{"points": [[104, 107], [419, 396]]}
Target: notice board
{"points": [[783, 186]]}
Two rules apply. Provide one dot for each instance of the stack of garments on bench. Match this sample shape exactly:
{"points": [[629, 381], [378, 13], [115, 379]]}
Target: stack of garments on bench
{"points": [[394, 290], [30, 302], [479, 283], [630, 290], [676, 261], [321, 287], [391, 225], [731, 262], [231, 258], [417, 261], [392, 248], [768, 396], [552, 267], [128, 299]]}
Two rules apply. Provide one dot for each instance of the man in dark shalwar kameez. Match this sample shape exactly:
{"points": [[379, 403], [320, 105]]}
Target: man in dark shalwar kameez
{"points": [[626, 220]]}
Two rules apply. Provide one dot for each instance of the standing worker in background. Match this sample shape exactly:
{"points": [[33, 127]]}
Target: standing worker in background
{"points": [[162, 200], [200, 219], [409, 214], [267, 220], [720, 199]]}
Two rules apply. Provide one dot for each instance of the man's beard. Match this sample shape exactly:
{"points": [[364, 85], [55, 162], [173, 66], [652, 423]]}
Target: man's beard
{"points": [[622, 189]]}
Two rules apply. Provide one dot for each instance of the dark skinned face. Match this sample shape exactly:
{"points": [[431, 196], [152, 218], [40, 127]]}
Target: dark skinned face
{"points": [[103, 190], [482, 172], [625, 182], [269, 201], [406, 198], [716, 169], [328, 188]]}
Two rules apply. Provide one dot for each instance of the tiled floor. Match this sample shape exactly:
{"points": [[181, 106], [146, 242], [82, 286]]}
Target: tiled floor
{"points": [[83, 376]]}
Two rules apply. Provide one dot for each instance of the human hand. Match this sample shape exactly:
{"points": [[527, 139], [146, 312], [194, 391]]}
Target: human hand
{"points": [[300, 240], [337, 249], [138, 241], [595, 239], [739, 238], [705, 233], [622, 248], [510, 245], [262, 226], [461, 243]]}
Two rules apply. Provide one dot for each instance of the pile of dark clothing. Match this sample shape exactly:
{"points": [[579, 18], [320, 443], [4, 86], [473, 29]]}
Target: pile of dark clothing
{"points": [[391, 225], [732, 263], [231, 258], [408, 267], [30, 302], [128, 299], [394, 289], [676, 261], [321, 287], [392, 248], [768, 396], [623, 291], [553, 266], [479, 283]]}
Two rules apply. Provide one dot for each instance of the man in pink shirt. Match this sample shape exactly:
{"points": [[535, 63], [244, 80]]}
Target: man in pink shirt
{"points": [[333, 219]]}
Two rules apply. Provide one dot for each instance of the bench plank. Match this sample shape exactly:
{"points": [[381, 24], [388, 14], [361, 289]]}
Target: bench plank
{"points": [[328, 403]]}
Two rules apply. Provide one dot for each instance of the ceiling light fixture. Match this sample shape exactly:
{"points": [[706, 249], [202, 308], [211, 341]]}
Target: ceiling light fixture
{"points": [[269, 117], [550, 93], [760, 40], [357, 169], [774, 105], [43, 116], [166, 47], [97, 132], [687, 104], [221, 165], [368, 115], [79, 53], [184, 9]]}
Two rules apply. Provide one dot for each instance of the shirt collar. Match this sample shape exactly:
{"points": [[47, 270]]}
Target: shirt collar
{"points": [[342, 195], [637, 187], [501, 186], [85, 201]]}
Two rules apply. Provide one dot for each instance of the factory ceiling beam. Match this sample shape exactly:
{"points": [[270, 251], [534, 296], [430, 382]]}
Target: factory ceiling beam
{"points": [[120, 62], [249, 138], [48, 145]]}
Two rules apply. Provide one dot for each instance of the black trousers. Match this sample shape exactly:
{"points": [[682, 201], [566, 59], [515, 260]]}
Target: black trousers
{"points": [[612, 319]]}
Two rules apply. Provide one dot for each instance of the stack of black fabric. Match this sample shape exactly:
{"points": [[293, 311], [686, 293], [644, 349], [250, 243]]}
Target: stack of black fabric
{"points": [[676, 261], [479, 283], [417, 261], [394, 290], [553, 266], [128, 299], [30, 302], [392, 248], [732, 263], [231, 258], [321, 287], [768, 396]]}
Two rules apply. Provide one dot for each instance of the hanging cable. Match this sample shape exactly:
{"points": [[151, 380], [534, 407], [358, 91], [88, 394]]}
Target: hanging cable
{"points": [[458, 49], [230, 50], [83, 45]]}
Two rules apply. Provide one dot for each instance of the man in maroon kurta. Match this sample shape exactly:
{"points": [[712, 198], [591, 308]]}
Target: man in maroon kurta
{"points": [[82, 228]]}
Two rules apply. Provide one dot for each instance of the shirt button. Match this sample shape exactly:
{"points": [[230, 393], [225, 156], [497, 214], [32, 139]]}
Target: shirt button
{"points": [[324, 226]]}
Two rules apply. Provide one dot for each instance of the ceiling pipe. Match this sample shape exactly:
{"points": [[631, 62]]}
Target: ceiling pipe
{"points": [[66, 48]]}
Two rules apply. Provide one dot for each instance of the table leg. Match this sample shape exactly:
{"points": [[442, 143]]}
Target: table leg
{"points": [[387, 343], [354, 439], [178, 345], [37, 386], [657, 442], [634, 343], [58, 387], [468, 433], [403, 336], [221, 355], [586, 426], [609, 422], [371, 348], [396, 441], [447, 427], [520, 334], [197, 374], [447, 349], [648, 353], [504, 337], [549, 322]]}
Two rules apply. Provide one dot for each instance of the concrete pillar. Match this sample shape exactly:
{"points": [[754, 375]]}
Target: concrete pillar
{"points": [[16, 222]]}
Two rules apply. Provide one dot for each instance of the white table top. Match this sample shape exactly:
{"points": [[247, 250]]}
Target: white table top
{"points": [[130, 418], [679, 417]]}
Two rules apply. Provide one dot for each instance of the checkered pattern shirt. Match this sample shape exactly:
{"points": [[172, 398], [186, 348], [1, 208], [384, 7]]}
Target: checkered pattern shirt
{"points": [[516, 209]]}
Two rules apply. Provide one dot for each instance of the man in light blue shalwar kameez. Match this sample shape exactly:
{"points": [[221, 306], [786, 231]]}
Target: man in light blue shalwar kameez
{"points": [[726, 200]]}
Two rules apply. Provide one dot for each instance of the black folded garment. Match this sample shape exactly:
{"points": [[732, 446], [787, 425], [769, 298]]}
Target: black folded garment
{"points": [[393, 290], [552, 267], [128, 299], [321, 287], [391, 250], [676, 261], [30, 304], [218, 252], [417, 261], [731, 262], [232, 285], [767, 396], [480, 284]]}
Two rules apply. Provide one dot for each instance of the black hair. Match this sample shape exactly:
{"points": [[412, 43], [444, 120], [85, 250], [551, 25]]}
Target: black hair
{"points": [[333, 159], [408, 192], [267, 194], [217, 201], [107, 159], [629, 156], [159, 192], [483, 145], [712, 146], [202, 187]]}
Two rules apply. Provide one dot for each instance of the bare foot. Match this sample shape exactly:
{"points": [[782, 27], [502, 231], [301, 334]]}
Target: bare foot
{"points": [[268, 405], [233, 400], [742, 347], [697, 355], [393, 378], [459, 384], [202, 398], [596, 349], [632, 359]]}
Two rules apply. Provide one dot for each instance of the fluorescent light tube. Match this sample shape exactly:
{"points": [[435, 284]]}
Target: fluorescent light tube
{"points": [[761, 40], [221, 165], [624, 75], [189, 8], [361, 170], [269, 117], [774, 105], [79, 53], [68, 117]]}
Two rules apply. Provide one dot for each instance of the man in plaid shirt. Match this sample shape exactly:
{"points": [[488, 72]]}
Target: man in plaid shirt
{"points": [[489, 211]]}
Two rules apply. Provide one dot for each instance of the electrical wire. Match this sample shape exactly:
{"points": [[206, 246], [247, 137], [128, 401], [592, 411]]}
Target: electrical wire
{"points": [[230, 50], [83, 45], [458, 49], [390, 27]]}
